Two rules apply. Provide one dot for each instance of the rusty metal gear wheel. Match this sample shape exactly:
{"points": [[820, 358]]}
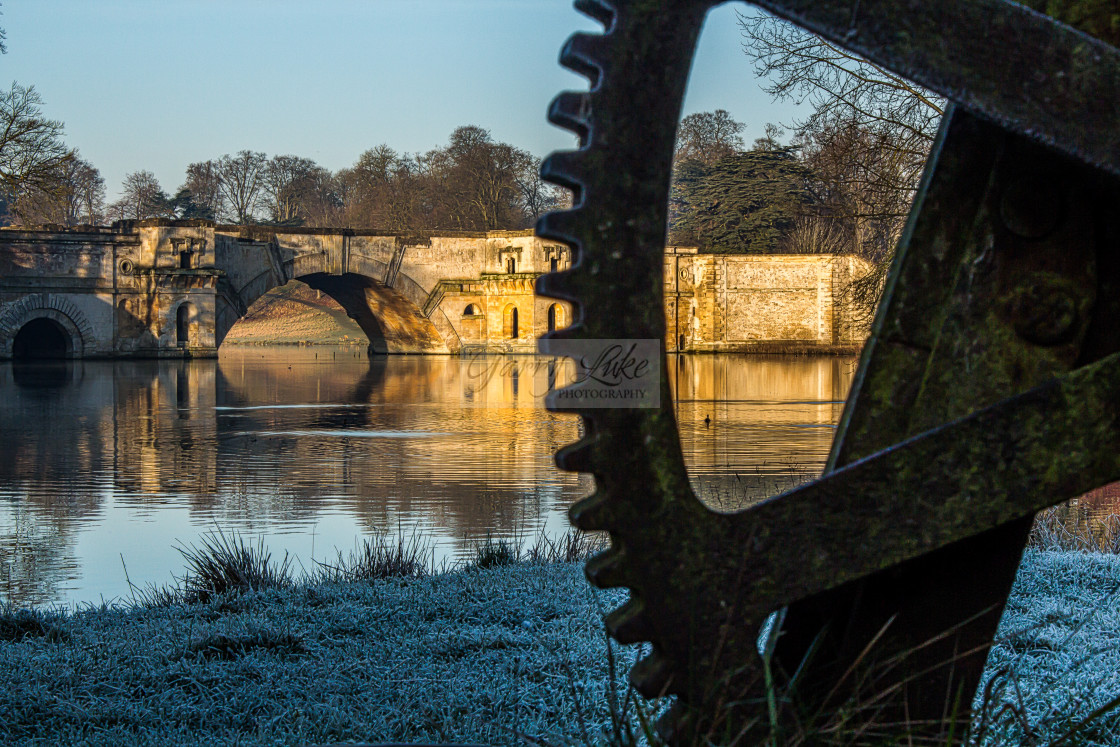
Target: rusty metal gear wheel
{"points": [[987, 391]]}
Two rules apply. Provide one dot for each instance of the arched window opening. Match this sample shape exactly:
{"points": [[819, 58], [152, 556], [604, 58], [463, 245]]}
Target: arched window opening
{"points": [[183, 325], [555, 317], [472, 310], [509, 322], [41, 339]]}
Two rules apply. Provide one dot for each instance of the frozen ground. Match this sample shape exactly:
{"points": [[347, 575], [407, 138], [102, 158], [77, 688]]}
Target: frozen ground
{"points": [[1058, 658], [471, 656]]}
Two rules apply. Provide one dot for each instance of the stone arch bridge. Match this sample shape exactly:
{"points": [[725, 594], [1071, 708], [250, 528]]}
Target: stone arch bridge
{"points": [[175, 288], [160, 288]]}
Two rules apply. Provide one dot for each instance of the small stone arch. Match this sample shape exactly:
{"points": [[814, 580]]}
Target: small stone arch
{"points": [[556, 317], [58, 309], [472, 310], [510, 323], [186, 325]]}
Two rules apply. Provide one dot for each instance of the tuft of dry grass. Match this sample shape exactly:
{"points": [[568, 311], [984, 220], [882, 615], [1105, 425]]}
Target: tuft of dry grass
{"points": [[227, 564], [568, 548], [378, 557], [18, 624]]}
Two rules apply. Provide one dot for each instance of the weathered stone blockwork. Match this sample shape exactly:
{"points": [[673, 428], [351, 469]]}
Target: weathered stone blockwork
{"points": [[175, 288], [110, 292], [760, 302]]}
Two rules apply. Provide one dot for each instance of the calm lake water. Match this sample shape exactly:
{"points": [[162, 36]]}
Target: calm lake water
{"points": [[108, 466]]}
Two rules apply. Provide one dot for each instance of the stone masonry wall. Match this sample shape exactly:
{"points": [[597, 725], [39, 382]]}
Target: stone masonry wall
{"points": [[771, 302]]}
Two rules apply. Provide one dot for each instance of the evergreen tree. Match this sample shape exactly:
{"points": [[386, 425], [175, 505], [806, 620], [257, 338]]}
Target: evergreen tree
{"points": [[744, 203]]}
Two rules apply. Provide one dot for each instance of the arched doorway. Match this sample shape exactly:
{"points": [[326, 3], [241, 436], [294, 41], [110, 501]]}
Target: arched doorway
{"points": [[183, 319], [41, 339], [509, 322]]}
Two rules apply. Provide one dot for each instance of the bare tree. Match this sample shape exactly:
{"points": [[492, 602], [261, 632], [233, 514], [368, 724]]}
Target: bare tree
{"points": [[538, 196], [200, 196], [75, 196], [474, 182], [240, 180], [708, 137], [865, 141], [384, 189], [869, 131], [322, 202], [88, 193], [814, 234], [141, 197], [31, 146], [288, 184]]}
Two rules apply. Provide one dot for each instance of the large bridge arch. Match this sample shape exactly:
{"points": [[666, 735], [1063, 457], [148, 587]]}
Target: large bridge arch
{"points": [[391, 314], [58, 314]]}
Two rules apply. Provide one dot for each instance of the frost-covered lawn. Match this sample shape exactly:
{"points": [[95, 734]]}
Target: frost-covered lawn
{"points": [[468, 656], [1058, 656]]}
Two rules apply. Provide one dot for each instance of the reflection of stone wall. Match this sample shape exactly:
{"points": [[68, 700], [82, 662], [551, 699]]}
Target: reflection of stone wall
{"points": [[760, 302], [754, 427]]}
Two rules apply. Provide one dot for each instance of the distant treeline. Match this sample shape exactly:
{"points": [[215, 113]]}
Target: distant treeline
{"points": [[472, 184], [725, 197]]}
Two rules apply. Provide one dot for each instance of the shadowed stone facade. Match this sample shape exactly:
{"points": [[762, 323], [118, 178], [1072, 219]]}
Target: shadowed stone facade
{"points": [[175, 288]]}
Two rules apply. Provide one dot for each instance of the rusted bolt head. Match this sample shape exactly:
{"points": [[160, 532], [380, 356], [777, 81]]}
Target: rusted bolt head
{"points": [[1045, 315], [1031, 208]]}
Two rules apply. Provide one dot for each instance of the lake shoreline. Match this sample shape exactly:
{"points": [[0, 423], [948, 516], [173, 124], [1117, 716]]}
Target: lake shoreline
{"points": [[463, 656]]}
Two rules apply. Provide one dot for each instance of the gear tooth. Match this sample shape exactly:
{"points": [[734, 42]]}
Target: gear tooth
{"points": [[629, 623], [560, 400], [608, 569], [571, 110], [597, 9], [594, 513], [653, 676], [583, 53], [576, 457], [561, 226], [562, 168], [573, 332], [558, 285]]}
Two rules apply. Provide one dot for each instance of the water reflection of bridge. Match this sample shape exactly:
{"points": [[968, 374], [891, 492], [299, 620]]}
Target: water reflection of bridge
{"points": [[257, 444]]}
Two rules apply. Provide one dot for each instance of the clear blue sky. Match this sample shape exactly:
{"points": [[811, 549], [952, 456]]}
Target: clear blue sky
{"points": [[158, 84]]}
